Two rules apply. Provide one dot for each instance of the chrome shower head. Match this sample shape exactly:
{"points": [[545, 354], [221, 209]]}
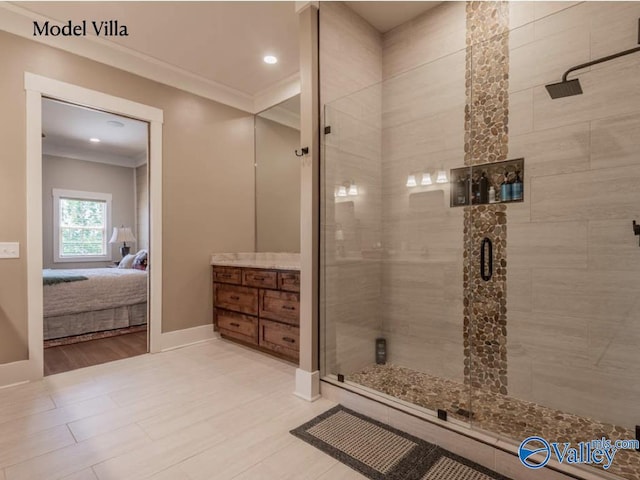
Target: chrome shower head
{"points": [[566, 88]]}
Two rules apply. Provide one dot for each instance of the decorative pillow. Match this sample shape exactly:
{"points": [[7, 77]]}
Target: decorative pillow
{"points": [[127, 261], [140, 260]]}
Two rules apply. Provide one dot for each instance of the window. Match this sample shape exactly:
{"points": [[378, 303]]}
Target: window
{"points": [[81, 223]]}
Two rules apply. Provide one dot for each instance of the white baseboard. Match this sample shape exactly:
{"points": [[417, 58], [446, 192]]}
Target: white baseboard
{"points": [[15, 373], [307, 385], [188, 336]]}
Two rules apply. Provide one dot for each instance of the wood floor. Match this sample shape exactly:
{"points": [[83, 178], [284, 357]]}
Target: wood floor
{"points": [[214, 410], [95, 352]]}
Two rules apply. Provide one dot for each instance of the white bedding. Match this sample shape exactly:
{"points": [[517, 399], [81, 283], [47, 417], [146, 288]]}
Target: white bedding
{"points": [[105, 288]]}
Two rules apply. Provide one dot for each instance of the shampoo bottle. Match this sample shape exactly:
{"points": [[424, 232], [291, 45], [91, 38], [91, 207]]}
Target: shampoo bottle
{"points": [[505, 189], [484, 188], [516, 188], [492, 194]]}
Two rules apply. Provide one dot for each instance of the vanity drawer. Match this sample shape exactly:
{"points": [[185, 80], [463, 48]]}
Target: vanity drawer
{"points": [[238, 326], [227, 275], [289, 281], [236, 298], [260, 278], [281, 306], [281, 338]]}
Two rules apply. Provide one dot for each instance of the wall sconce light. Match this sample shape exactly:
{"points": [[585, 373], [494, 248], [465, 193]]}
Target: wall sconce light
{"points": [[353, 190], [342, 191], [426, 179], [442, 177], [411, 181]]}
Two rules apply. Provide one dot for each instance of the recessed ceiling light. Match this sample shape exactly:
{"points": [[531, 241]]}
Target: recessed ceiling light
{"points": [[270, 59], [94, 140], [115, 123]]}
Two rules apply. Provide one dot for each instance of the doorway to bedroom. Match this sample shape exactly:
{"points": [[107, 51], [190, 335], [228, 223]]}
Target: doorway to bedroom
{"points": [[95, 236]]}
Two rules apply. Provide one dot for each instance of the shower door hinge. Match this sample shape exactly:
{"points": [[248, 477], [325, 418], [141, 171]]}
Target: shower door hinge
{"points": [[442, 414], [341, 378], [327, 130]]}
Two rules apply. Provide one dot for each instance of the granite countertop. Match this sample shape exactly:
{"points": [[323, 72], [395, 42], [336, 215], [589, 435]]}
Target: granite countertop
{"points": [[279, 261]]}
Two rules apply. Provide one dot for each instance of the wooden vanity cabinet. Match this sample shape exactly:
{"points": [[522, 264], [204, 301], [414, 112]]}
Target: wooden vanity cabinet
{"points": [[258, 307]]}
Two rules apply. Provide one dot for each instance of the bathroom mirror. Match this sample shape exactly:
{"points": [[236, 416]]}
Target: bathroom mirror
{"points": [[277, 187]]}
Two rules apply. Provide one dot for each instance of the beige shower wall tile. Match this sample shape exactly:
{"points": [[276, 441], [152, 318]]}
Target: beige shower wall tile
{"points": [[613, 29], [435, 34], [552, 151], [593, 294], [429, 90], [428, 355], [608, 91], [519, 283], [520, 14], [350, 52], [553, 339], [615, 141], [544, 9], [592, 195], [348, 282], [613, 246], [364, 105], [519, 372], [520, 112], [545, 59], [352, 136], [586, 392], [425, 136], [355, 347], [556, 17], [547, 245], [424, 240]]}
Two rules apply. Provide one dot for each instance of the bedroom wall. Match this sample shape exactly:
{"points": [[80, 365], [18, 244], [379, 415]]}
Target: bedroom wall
{"points": [[142, 208], [72, 174], [208, 179]]}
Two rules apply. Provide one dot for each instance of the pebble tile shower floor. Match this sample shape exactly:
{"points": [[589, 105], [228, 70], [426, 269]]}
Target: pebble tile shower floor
{"points": [[508, 417]]}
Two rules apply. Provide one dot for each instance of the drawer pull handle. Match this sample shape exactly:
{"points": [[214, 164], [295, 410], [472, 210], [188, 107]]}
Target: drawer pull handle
{"points": [[287, 307], [260, 279], [224, 275], [234, 297], [233, 324], [289, 339]]}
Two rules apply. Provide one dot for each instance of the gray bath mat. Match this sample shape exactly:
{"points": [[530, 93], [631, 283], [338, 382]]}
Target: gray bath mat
{"points": [[381, 452]]}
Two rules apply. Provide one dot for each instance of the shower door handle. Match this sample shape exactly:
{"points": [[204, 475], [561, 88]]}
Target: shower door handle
{"points": [[486, 246]]}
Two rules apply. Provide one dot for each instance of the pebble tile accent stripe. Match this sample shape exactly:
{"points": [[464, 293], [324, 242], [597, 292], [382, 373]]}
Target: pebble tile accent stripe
{"points": [[486, 119]]}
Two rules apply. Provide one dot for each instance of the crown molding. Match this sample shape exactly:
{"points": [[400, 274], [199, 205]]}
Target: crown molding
{"points": [[282, 116], [277, 93], [86, 155], [19, 21]]}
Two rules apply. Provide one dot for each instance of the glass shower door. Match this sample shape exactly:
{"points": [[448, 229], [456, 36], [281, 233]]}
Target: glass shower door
{"points": [[393, 248]]}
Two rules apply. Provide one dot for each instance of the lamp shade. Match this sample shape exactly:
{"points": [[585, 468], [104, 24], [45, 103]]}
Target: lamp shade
{"points": [[122, 235]]}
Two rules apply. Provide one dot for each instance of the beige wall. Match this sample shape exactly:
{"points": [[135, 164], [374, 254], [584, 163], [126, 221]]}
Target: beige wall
{"points": [[142, 207], [72, 174], [350, 61], [207, 179], [277, 187]]}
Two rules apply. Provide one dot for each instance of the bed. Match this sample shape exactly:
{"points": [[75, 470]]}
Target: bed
{"points": [[82, 302]]}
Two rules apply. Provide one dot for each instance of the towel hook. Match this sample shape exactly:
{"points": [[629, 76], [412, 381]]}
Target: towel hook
{"points": [[304, 150]]}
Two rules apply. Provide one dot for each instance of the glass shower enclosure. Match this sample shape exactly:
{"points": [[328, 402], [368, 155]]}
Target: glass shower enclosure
{"points": [[477, 250]]}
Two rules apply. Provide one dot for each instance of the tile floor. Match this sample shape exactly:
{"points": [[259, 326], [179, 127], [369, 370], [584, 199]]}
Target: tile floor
{"points": [[209, 411]]}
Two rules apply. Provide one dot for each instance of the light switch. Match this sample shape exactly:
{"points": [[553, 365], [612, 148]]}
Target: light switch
{"points": [[9, 250]]}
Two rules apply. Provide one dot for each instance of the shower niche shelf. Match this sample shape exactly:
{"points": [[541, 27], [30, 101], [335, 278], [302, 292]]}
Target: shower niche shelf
{"points": [[473, 185]]}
